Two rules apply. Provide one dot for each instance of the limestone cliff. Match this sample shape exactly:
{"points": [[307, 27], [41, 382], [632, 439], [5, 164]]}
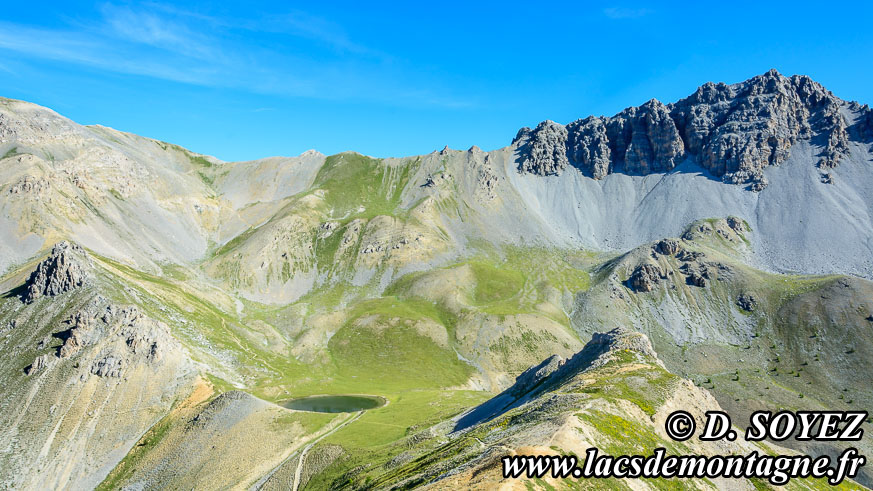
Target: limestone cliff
{"points": [[734, 131]]}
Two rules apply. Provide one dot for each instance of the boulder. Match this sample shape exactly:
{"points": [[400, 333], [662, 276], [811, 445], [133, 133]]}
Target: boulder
{"points": [[39, 364], [747, 302]]}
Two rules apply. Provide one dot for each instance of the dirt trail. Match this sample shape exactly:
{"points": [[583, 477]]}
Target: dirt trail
{"points": [[298, 471], [312, 444]]}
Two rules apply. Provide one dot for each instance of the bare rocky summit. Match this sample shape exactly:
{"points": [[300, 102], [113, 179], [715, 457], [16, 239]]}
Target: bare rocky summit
{"points": [[546, 152], [67, 267], [734, 131]]}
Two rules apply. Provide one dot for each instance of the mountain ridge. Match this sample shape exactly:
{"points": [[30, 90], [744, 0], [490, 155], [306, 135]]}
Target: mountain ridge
{"points": [[214, 292], [159, 203], [734, 131]]}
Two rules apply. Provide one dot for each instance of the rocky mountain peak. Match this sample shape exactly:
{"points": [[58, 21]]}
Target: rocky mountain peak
{"points": [[623, 339], [734, 131], [546, 149], [68, 266]]}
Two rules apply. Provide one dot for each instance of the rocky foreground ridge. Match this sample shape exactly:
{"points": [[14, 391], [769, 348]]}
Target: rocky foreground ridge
{"points": [[734, 131], [611, 395]]}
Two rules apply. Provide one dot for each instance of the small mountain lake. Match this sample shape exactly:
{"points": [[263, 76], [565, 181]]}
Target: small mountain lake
{"points": [[335, 403]]}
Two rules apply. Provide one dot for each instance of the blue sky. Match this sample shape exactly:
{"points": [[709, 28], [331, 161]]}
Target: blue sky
{"points": [[392, 79]]}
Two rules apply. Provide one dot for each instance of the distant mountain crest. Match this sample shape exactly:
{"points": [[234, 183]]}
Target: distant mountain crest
{"points": [[734, 131]]}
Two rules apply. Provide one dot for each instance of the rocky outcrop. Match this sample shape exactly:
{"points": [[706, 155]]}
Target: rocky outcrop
{"points": [[30, 185], [686, 256], [667, 247], [486, 183], [108, 366], [646, 139], [67, 267], [623, 339], [864, 126], [731, 229], [555, 370], [40, 363], [697, 274], [78, 335], [598, 352], [546, 149], [534, 375], [588, 146], [747, 302], [144, 340], [736, 224], [734, 131], [827, 178], [645, 277], [603, 348]]}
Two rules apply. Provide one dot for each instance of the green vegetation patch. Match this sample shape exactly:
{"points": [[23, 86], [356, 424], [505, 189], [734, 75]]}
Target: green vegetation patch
{"points": [[381, 434], [494, 284], [12, 152], [626, 437], [646, 387], [128, 465], [352, 181], [388, 354]]}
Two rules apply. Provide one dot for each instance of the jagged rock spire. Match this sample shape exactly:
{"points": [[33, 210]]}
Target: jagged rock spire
{"points": [[67, 267]]}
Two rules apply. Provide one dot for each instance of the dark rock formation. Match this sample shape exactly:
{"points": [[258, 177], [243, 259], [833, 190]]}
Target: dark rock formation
{"points": [[697, 274], [546, 153], [747, 302], [687, 256], [536, 374], [646, 139], [30, 185], [736, 224], [645, 277], [734, 131], [667, 247], [588, 146], [863, 128], [67, 267], [108, 366]]}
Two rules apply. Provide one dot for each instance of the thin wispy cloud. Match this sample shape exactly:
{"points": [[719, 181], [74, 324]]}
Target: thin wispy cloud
{"points": [[626, 13], [143, 27], [165, 43], [293, 23], [303, 25], [77, 48]]}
